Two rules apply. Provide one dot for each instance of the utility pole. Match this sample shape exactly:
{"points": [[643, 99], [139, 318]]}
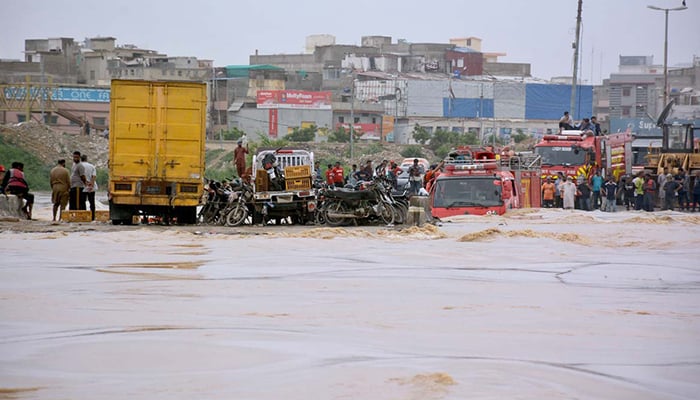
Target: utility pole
{"points": [[666, 10], [574, 80], [352, 117]]}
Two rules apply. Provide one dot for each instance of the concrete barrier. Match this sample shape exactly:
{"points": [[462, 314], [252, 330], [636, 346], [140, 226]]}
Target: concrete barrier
{"points": [[11, 206], [418, 211]]}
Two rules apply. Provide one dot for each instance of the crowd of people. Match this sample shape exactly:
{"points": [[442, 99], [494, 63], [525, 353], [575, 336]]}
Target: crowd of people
{"points": [[335, 175], [640, 192], [73, 189]]}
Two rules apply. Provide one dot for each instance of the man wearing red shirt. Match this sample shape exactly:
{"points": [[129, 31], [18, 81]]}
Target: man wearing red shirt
{"points": [[338, 175]]}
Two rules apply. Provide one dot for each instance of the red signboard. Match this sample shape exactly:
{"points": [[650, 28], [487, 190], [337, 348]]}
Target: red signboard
{"points": [[272, 123], [368, 130], [294, 99]]}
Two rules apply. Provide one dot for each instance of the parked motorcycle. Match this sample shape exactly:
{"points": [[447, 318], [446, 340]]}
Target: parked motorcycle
{"points": [[345, 206], [216, 201], [240, 205]]}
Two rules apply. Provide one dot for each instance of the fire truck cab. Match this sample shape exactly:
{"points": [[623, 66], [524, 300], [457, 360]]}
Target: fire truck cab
{"points": [[579, 154], [478, 182]]}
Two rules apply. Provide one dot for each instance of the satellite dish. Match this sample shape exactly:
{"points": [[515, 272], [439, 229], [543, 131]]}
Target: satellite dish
{"points": [[664, 114]]}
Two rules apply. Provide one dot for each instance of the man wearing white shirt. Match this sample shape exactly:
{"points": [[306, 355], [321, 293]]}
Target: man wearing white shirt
{"points": [[91, 186]]}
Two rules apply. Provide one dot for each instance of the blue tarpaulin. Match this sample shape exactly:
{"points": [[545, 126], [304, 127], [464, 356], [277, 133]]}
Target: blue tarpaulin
{"points": [[467, 108], [546, 101]]}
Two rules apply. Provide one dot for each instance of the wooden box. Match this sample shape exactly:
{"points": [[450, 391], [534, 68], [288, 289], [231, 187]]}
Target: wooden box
{"points": [[102, 215], [261, 181], [76, 215]]}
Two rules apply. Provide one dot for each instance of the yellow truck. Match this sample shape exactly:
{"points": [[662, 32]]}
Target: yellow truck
{"points": [[156, 150]]}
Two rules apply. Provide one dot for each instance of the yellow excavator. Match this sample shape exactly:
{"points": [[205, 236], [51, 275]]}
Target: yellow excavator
{"points": [[680, 146]]}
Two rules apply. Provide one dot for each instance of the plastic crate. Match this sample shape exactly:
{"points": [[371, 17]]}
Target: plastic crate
{"points": [[261, 181], [76, 215], [298, 171], [298, 184]]}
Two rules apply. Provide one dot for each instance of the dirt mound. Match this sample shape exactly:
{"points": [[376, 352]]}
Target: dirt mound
{"points": [[50, 145], [491, 233]]}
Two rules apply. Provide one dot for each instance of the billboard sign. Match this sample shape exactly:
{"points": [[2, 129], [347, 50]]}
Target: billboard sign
{"points": [[294, 99]]}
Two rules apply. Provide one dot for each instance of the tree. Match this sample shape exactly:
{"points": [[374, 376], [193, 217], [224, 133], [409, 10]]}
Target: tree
{"points": [[302, 134], [420, 134], [519, 136], [342, 135]]}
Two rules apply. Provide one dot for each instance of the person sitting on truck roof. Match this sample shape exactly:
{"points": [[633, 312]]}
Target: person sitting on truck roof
{"points": [[566, 123], [595, 126]]}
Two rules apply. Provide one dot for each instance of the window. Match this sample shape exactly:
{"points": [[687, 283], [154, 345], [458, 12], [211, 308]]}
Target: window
{"points": [[131, 72], [92, 74], [179, 73], [98, 120], [341, 119], [21, 117], [374, 120], [626, 111], [50, 119], [357, 120], [626, 91]]}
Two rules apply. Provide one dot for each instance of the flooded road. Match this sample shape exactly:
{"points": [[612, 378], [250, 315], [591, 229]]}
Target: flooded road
{"points": [[538, 305]]}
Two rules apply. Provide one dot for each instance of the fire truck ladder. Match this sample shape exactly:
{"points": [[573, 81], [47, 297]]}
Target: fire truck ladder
{"points": [[522, 162]]}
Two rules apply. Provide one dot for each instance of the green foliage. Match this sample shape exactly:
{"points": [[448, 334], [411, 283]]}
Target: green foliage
{"points": [[102, 179], [266, 141], [35, 172], [342, 135], [211, 155], [232, 134], [228, 157], [420, 134], [451, 139], [490, 140], [442, 151], [302, 134], [413, 151], [519, 136], [219, 174], [374, 148]]}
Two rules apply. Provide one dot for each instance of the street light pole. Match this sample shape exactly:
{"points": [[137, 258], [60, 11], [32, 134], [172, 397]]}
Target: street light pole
{"points": [[666, 10]]}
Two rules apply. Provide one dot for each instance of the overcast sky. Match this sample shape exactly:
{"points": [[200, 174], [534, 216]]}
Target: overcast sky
{"points": [[539, 32]]}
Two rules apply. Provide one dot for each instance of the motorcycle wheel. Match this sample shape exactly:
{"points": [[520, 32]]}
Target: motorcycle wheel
{"points": [[401, 213], [237, 216], [338, 207], [387, 214]]}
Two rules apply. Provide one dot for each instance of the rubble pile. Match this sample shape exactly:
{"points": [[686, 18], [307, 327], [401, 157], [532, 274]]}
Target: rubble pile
{"points": [[50, 145]]}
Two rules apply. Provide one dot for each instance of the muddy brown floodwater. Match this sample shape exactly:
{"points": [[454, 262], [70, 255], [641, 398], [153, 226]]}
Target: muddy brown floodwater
{"points": [[537, 304]]}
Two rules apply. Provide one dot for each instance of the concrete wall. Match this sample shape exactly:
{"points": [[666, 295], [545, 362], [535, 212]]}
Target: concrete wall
{"points": [[507, 69]]}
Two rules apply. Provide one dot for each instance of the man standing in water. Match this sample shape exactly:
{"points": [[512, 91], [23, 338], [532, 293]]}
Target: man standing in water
{"points": [[60, 185]]}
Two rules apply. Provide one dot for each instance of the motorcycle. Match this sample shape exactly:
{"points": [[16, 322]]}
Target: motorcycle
{"points": [[216, 201], [240, 206], [344, 206]]}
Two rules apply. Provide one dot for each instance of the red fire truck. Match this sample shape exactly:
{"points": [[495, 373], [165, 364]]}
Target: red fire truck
{"points": [[579, 154], [476, 181]]}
